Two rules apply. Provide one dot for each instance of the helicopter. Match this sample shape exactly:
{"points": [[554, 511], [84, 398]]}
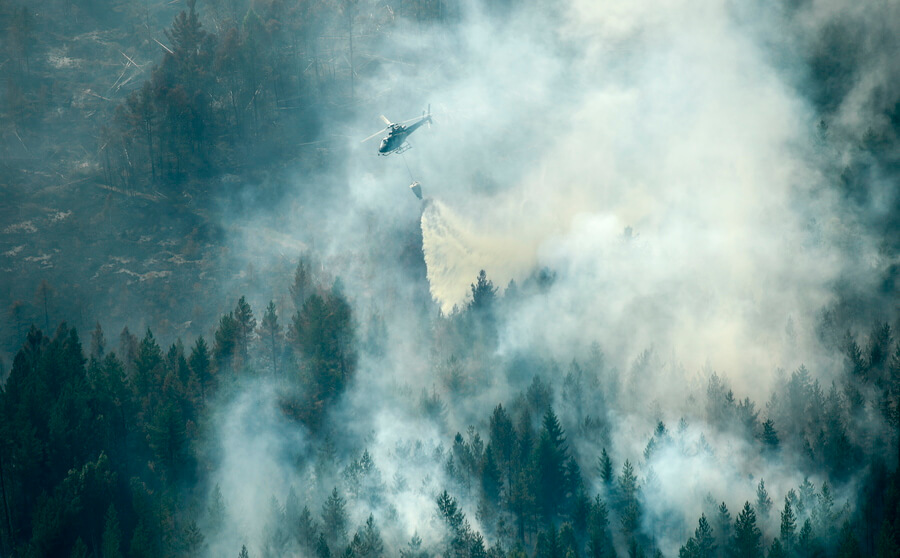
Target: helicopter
{"points": [[395, 140]]}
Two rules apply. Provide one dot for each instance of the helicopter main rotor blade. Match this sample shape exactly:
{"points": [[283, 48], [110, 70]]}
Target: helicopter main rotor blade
{"points": [[386, 121], [373, 135]]}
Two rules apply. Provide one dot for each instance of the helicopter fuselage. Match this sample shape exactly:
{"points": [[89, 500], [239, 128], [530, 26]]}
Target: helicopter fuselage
{"points": [[397, 135], [392, 142]]}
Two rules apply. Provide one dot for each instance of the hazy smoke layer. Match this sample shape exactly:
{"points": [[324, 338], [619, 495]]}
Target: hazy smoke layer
{"points": [[666, 161], [675, 120], [257, 447]]}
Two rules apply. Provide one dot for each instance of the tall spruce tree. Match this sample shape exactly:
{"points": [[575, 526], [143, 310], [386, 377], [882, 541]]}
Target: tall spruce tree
{"points": [[502, 437], [605, 468], [747, 537], [245, 329], [763, 502], [270, 332], [788, 531], [723, 529], [200, 365], [704, 538], [549, 464], [334, 520]]}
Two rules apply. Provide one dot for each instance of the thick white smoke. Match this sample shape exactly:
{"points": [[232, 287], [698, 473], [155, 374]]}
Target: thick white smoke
{"points": [[680, 124]]}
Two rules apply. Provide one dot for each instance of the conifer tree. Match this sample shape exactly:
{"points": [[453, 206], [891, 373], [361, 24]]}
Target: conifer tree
{"points": [[723, 529], [322, 550], [599, 537], [484, 293], [192, 539], [522, 501], [226, 343], [292, 511], [450, 512], [275, 533], [112, 535], [476, 545], [43, 296], [605, 468], [216, 510], [334, 520], [579, 512], [848, 544], [270, 331], [770, 435], [141, 542], [763, 502], [777, 550], [836, 447], [148, 367], [491, 481], [627, 496], [459, 541], [246, 327], [168, 437], [413, 548], [705, 541], [630, 518], [634, 548], [16, 314], [747, 536], [823, 515], [368, 543], [79, 549], [856, 361], [98, 343], [502, 437], [325, 337], [547, 545], [628, 481], [788, 526], [303, 284], [807, 542], [550, 458], [306, 530], [886, 546], [574, 482], [805, 497], [200, 365], [878, 348], [689, 549], [128, 348]]}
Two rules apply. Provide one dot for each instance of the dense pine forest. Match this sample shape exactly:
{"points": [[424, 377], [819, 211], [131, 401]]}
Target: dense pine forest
{"points": [[126, 451], [649, 305]]}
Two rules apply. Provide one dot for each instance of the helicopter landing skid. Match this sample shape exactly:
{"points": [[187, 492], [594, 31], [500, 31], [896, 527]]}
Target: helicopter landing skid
{"points": [[402, 149]]}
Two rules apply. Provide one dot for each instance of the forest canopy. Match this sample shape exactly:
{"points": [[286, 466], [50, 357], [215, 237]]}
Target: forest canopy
{"points": [[648, 305]]}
